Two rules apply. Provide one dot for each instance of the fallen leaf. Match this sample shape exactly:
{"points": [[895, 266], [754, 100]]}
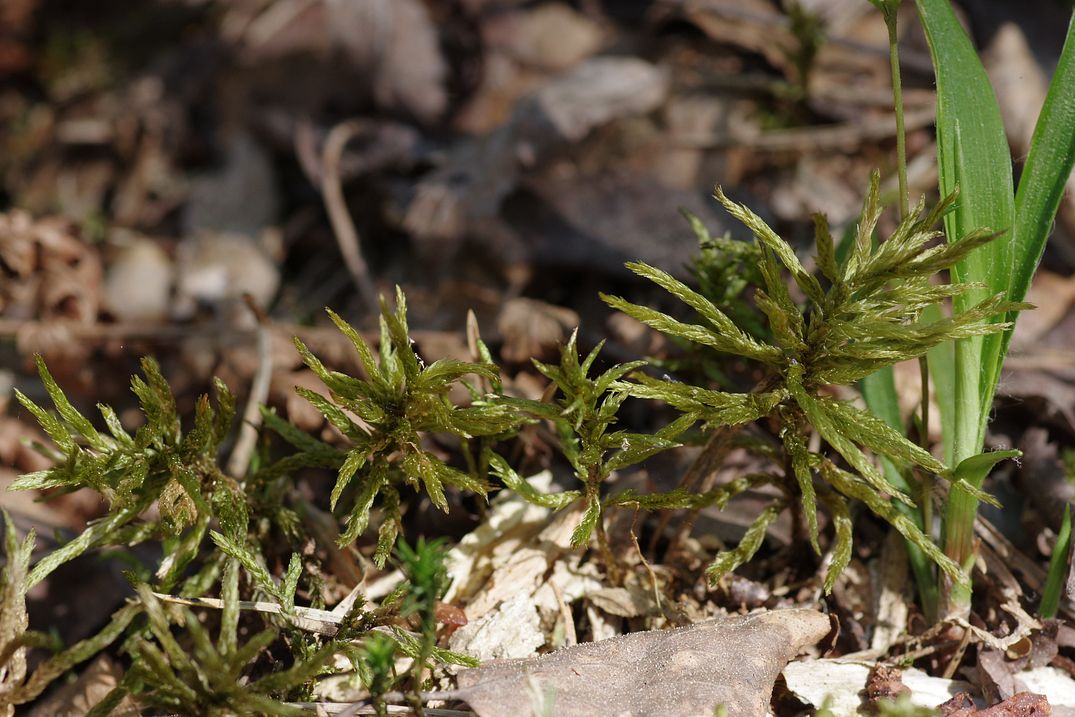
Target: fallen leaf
{"points": [[532, 329], [624, 602], [1023, 704], [1053, 683], [513, 630], [77, 698], [396, 44], [1041, 477], [551, 36], [469, 187], [841, 681], [884, 682], [138, 282], [730, 661]]}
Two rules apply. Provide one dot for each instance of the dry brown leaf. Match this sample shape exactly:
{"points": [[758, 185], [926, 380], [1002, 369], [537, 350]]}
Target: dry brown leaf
{"points": [[477, 175], [551, 36], [77, 698], [395, 42], [635, 601], [730, 661], [884, 683], [533, 329], [1041, 477], [1053, 296], [840, 682], [1023, 704]]}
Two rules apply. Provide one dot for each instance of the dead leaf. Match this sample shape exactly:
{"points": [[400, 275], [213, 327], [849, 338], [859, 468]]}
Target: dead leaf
{"points": [[1053, 296], [469, 187], [841, 682], [533, 329], [635, 601], [730, 661], [513, 630], [1023, 704], [395, 43], [1041, 477], [138, 282], [216, 269], [551, 37], [77, 698], [885, 682]]}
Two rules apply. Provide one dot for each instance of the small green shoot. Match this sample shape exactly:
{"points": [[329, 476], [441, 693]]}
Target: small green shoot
{"points": [[158, 464], [385, 417], [1059, 565], [584, 416]]}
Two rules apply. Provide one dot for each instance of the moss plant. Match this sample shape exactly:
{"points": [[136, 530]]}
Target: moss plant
{"points": [[385, 417], [860, 315], [584, 415]]}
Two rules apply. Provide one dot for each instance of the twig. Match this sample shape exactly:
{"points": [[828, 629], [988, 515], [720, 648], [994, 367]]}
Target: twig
{"points": [[843, 136], [241, 452], [714, 453], [336, 206], [642, 558], [345, 709], [570, 637]]}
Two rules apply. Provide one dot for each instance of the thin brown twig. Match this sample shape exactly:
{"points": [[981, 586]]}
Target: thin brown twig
{"points": [[699, 478], [346, 709], [833, 137], [241, 452], [570, 636], [642, 557], [336, 206], [957, 656]]}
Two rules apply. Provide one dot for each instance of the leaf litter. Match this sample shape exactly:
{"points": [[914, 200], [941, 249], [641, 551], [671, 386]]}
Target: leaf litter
{"points": [[520, 586]]}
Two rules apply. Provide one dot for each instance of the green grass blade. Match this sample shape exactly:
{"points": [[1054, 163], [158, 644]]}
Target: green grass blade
{"points": [[1058, 568], [879, 392], [973, 156], [942, 373], [1048, 166]]}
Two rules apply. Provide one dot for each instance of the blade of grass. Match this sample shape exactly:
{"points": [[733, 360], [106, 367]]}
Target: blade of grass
{"points": [[1048, 166], [1058, 569], [879, 392], [973, 157]]}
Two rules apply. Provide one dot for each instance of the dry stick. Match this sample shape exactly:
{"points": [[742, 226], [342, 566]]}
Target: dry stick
{"points": [[702, 471], [336, 205], [570, 636], [642, 557], [347, 709], [239, 460], [612, 566], [847, 135]]}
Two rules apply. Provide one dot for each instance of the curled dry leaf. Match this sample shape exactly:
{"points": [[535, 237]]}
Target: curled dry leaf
{"points": [[729, 661], [1023, 704], [46, 271]]}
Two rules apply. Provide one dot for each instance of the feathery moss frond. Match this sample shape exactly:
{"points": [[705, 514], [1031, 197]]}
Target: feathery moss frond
{"points": [[860, 315], [386, 415]]}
